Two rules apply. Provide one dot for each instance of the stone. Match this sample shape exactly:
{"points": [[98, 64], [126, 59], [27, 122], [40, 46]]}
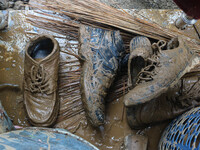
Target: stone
{"points": [[135, 142]]}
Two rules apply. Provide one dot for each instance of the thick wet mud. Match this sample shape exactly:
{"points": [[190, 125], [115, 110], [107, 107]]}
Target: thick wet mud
{"points": [[11, 78], [110, 136]]}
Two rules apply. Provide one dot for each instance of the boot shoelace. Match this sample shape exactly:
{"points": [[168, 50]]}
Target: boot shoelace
{"points": [[39, 81], [149, 71]]}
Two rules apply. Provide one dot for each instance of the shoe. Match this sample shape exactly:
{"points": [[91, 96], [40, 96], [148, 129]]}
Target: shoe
{"points": [[177, 100], [140, 51], [163, 71], [40, 80], [100, 52]]}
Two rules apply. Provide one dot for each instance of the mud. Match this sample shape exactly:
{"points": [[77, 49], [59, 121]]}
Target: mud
{"points": [[140, 50], [72, 115], [11, 94], [111, 135], [135, 142], [11, 69], [168, 67], [41, 79], [179, 99], [101, 51]]}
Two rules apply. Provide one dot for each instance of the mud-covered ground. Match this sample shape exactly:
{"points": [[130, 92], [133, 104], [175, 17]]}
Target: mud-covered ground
{"points": [[141, 4], [116, 127]]}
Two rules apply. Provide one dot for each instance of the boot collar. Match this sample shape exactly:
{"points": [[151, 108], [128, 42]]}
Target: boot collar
{"points": [[55, 48]]}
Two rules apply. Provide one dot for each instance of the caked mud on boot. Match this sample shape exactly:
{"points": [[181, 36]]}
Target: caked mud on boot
{"points": [[177, 100], [100, 51], [164, 68], [40, 80], [140, 50]]}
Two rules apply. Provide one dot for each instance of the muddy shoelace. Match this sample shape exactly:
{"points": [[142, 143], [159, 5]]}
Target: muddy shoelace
{"points": [[148, 73], [39, 82]]}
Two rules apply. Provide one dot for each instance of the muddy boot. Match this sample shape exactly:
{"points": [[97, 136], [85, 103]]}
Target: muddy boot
{"points": [[100, 51], [177, 100], [140, 50], [40, 80], [163, 71]]}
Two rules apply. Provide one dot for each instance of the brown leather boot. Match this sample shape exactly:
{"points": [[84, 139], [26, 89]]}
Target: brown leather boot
{"points": [[40, 80], [182, 97], [163, 71]]}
